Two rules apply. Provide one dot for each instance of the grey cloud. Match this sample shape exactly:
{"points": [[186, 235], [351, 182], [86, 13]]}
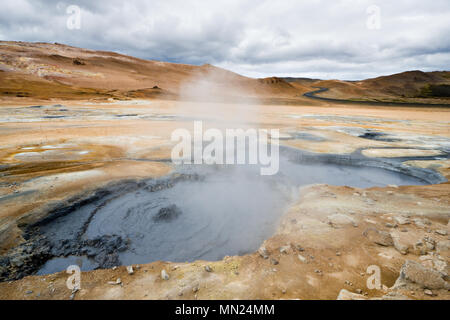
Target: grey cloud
{"points": [[327, 39]]}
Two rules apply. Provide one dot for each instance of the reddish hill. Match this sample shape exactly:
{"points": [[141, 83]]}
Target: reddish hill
{"points": [[45, 70], [406, 86]]}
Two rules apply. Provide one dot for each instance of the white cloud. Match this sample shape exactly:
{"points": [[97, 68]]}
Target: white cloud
{"points": [[317, 38]]}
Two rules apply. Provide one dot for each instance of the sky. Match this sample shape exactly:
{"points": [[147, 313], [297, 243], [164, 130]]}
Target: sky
{"points": [[326, 39]]}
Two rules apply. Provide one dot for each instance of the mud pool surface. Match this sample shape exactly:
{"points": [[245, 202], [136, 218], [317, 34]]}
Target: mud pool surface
{"points": [[201, 212]]}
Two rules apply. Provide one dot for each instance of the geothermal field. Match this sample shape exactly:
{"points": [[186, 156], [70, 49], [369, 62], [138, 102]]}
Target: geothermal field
{"points": [[357, 207]]}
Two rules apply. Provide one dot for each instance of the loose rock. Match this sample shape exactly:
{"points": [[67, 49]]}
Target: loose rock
{"points": [[347, 295], [422, 223], [117, 282], [390, 225], [428, 292], [400, 244], [381, 238], [164, 275], [415, 273], [263, 253], [130, 270], [441, 232], [284, 249], [402, 220]]}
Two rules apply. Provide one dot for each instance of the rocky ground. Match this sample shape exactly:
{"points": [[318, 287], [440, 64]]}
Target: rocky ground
{"points": [[318, 252], [327, 244]]}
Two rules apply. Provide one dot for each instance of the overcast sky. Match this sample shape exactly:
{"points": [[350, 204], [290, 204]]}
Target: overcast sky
{"points": [[342, 39]]}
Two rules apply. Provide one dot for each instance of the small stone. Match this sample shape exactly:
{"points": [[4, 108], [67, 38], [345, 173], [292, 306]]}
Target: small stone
{"points": [[130, 269], [195, 289], [29, 292], [299, 248], [283, 291], [381, 238], [441, 232], [429, 243], [420, 248], [118, 281], [400, 244], [348, 283], [359, 291], [164, 275], [274, 261], [347, 295], [428, 292], [402, 220], [114, 268], [284, 249], [301, 258], [390, 225], [208, 268], [421, 223], [263, 253], [338, 253]]}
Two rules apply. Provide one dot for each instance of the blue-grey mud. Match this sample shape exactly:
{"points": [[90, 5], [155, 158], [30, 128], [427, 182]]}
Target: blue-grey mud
{"points": [[200, 212]]}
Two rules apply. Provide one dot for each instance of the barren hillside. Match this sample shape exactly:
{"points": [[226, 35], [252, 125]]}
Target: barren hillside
{"points": [[36, 69], [411, 86]]}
